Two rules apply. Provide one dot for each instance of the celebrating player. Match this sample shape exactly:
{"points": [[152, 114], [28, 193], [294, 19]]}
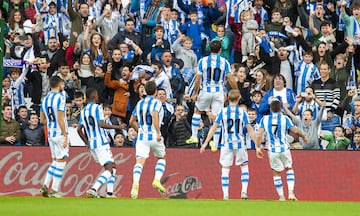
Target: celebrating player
{"points": [[92, 120], [233, 120], [276, 126], [53, 115], [149, 114]]}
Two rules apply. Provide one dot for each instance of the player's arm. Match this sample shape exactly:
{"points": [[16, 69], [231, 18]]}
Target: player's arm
{"points": [[209, 136], [155, 120], [258, 141], [251, 132], [197, 86], [133, 123], [81, 134], [43, 118], [298, 132], [232, 81], [61, 117], [108, 126]]}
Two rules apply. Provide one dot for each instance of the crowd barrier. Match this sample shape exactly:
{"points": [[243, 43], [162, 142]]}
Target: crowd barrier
{"points": [[319, 175]]}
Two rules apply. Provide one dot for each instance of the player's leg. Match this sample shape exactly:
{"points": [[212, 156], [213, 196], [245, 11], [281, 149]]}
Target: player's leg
{"points": [[44, 190], [111, 183], [290, 176], [142, 153], [61, 155], [242, 160], [226, 160], [216, 106], [277, 167], [159, 152]]}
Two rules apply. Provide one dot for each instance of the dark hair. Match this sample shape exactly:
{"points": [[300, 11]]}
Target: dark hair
{"points": [[215, 46], [150, 88], [250, 109], [63, 64], [275, 106], [129, 20], [193, 12], [89, 93], [325, 23], [55, 81], [21, 107], [280, 76], [309, 110], [79, 94], [256, 92]]}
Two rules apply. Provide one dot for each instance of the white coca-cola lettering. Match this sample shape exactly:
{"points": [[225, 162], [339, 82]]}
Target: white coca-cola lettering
{"points": [[30, 175], [190, 183]]}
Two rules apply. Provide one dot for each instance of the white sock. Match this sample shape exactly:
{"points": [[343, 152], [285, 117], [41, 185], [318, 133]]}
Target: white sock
{"points": [[225, 181], [111, 182], [290, 179], [278, 185], [49, 174], [58, 174], [195, 123], [137, 173], [159, 169], [217, 136], [244, 178], [101, 180]]}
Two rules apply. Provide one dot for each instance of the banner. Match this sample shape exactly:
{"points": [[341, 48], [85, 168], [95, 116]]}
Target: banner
{"points": [[319, 175]]}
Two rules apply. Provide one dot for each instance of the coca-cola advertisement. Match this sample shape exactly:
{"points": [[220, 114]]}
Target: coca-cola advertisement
{"points": [[319, 175]]}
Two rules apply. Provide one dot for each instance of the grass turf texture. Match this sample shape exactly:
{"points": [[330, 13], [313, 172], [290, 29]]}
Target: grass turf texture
{"points": [[13, 206]]}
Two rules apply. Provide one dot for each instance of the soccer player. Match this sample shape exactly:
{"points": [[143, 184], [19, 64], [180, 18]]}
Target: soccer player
{"points": [[210, 78], [53, 115], [276, 126], [92, 120], [149, 114], [233, 120]]}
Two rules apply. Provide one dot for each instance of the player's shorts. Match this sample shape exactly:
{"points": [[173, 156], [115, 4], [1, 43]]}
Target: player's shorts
{"points": [[57, 149], [102, 155], [143, 148], [280, 161], [206, 100], [227, 156]]}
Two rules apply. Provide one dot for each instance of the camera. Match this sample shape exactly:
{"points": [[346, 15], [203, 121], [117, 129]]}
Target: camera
{"points": [[304, 94]]}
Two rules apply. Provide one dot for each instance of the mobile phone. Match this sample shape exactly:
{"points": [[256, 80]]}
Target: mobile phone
{"points": [[107, 7], [303, 94]]}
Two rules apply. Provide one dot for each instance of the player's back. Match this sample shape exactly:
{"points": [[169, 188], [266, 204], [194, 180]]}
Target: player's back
{"points": [[52, 104], [143, 110], [276, 127], [233, 120], [90, 118], [213, 69]]}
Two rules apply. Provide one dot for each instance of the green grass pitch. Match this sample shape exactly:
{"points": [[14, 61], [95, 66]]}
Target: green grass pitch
{"points": [[12, 206]]}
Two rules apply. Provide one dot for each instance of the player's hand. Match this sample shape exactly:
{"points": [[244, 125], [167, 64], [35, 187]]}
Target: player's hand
{"points": [[66, 141], [259, 153], [203, 147], [194, 97], [158, 137]]}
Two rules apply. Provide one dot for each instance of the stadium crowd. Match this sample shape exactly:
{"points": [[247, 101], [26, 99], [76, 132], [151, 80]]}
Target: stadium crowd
{"points": [[303, 52]]}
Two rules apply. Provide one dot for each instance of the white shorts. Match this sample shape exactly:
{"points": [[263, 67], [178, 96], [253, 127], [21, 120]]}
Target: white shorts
{"points": [[227, 156], [280, 161], [214, 100], [102, 155], [57, 149], [143, 148]]}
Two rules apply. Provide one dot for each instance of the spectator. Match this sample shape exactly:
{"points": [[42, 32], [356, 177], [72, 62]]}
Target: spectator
{"points": [[16, 23], [71, 80], [128, 33], [256, 97], [96, 47], [307, 100], [10, 131], [355, 144], [22, 117], [109, 25], [225, 42], [79, 104], [78, 19], [33, 134], [168, 109], [158, 44], [97, 82], [337, 140], [119, 140], [131, 137], [6, 92], [161, 79], [179, 129], [86, 71]]}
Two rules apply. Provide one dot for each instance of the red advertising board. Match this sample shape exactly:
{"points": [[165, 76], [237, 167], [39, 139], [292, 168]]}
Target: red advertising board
{"points": [[320, 175]]}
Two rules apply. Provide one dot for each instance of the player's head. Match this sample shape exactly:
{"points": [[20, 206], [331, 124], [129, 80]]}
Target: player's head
{"points": [[150, 88], [275, 105], [92, 95], [234, 96], [56, 82], [215, 46]]}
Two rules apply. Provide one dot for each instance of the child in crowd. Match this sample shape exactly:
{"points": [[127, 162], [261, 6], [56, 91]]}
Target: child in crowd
{"points": [[225, 42], [355, 144], [158, 44], [305, 72], [250, 144], [194, 29], [249, 27], [256, 97], [337, 140], [307, 100], [119, 140]]}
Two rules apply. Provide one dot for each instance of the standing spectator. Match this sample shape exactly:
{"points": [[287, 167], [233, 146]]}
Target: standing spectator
{"points": [[149, 114], [10, 131], [54, 54], [78, 20], [108, 26], [96, 47], [33, 134], [16, 23], [161, 79], [179, 129], [231, 117], [249, 27], [276, 126], [128, 33], [168, 112], [158, 44], [225, 42], [53, 115]]}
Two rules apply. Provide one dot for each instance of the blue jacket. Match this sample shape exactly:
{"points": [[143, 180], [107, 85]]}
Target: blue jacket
{"points": [[265, 106]]}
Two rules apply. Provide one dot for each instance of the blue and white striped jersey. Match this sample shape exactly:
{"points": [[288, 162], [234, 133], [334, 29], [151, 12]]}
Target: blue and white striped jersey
{"points": [[276, 127], [90, 118], [213, 69], [233, 121], [53, 103], [143, 110], [305, 74]]}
